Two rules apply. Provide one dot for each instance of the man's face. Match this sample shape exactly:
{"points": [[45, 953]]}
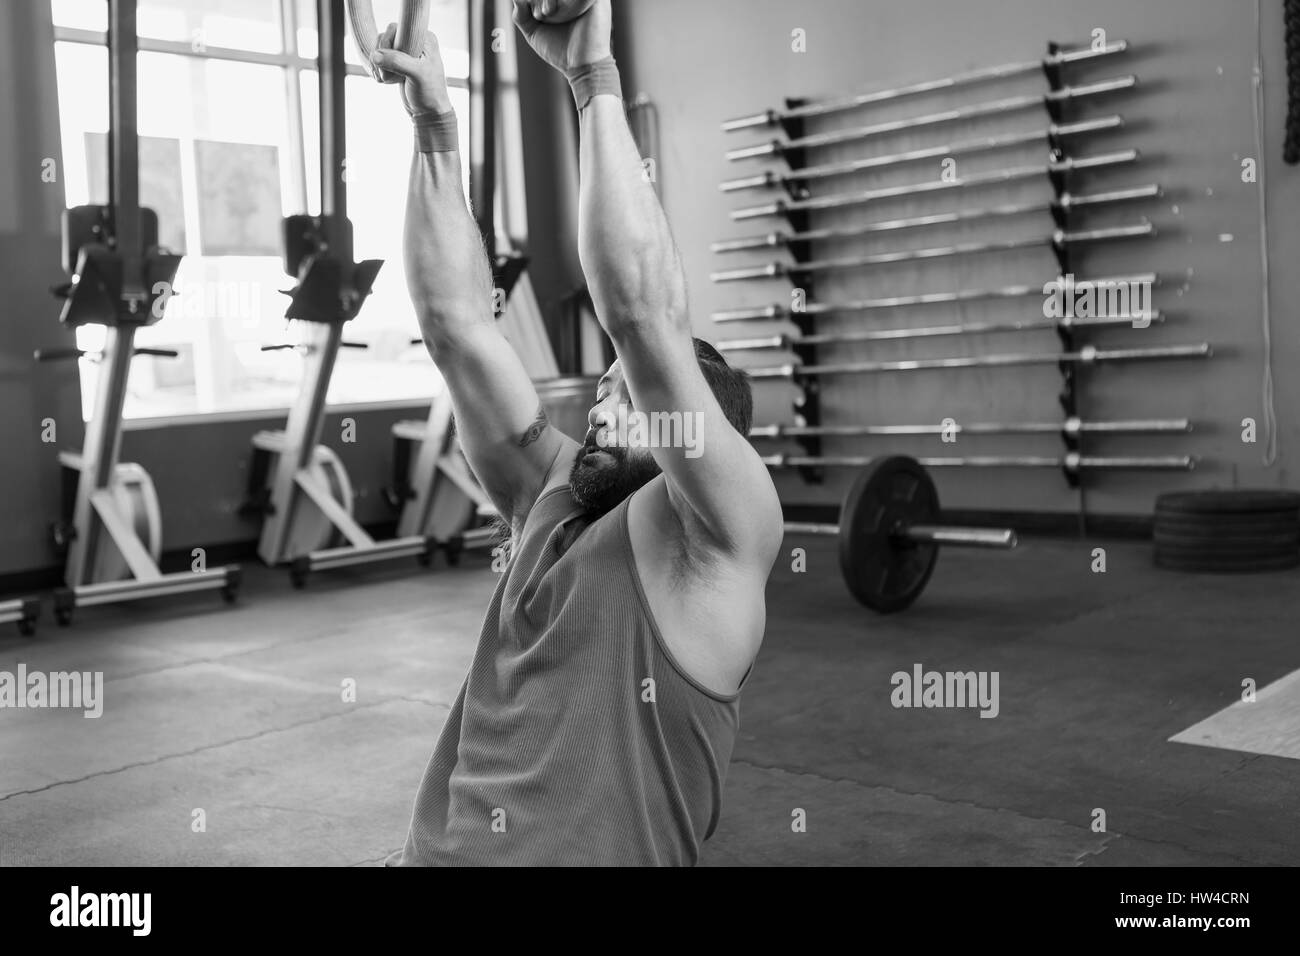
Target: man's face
{"points": [[606, 471]]}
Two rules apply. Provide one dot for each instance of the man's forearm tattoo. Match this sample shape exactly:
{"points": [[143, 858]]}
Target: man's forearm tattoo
{"points": [[535, 430]]}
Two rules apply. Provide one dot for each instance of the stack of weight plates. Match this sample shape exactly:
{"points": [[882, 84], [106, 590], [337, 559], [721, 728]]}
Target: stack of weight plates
{"points": [[1228, 531]]}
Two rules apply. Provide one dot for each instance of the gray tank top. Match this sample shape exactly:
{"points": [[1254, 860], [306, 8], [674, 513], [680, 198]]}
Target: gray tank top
{"points": [[576, 738]]}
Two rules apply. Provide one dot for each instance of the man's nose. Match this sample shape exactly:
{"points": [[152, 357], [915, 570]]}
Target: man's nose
{"points": [[601, 420]]}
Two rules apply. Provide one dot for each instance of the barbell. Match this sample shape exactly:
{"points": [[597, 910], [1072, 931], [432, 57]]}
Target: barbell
{"points": [[1064, 203], [1059, 240], [1087, 355], [796, 178], [1002, 72], [775, 311], [1009, 104], [1072, 427], [1072, 463], [782, 340], [889, 537], [1056, 166]]}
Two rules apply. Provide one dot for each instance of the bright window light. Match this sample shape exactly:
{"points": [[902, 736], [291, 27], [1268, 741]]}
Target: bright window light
{"points": [[221, 165]]}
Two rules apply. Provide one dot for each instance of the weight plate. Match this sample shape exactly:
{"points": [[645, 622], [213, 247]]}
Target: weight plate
{"points": [[883, 570], [1226, 557], [1228, 524], [1242, 501], [1257, 540], [1226, 553], [1177, 562], [1275, 514], [1262, 535]]}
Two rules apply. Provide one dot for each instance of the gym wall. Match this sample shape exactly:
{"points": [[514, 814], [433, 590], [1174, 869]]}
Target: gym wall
{"points": [[1190, 116]]}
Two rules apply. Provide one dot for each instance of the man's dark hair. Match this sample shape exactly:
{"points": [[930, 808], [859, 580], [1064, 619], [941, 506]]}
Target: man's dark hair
{"points": [[730, 386]]}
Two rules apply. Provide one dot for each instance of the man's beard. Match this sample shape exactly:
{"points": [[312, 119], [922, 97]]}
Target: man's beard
{"points": [[602, 483]]}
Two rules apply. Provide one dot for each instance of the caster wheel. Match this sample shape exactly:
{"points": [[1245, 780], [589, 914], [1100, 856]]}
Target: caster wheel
{"points": [[31, 614], [230, 591], [298, 571], [64, 602], [452, 549]]}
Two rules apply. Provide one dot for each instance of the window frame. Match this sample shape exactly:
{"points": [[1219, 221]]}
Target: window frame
{"points": [[293, 65]]}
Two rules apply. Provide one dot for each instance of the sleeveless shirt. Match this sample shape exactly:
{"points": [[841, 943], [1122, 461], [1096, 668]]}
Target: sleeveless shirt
{"points": [[576, 739]]}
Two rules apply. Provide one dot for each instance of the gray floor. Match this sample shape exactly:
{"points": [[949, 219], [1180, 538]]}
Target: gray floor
{"points": [[239, 711]]}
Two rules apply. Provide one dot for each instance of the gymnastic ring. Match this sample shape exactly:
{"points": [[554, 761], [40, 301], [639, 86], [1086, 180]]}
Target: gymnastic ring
{"points": [[411, 28]]}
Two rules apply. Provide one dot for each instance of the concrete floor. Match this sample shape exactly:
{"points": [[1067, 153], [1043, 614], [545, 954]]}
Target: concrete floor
{"points": [[238, 711]]}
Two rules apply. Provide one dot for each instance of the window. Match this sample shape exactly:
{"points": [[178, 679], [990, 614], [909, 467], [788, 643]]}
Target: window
{"points": [[228, 128]]}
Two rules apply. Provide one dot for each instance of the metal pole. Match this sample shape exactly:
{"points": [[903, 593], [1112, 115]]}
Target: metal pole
{"points": [[306, 416], [781, 207], [100, 451], [483, 94], [1057, 240], [333, 129], [928, 298], [1072, 426], [124, 165], [1066, 201], [302, 433], [104, 434], [1069, 462], [1000, 538], [969, 328], [1087, 356], [1004, 71], [776, 177], [808, 527], [979, 110]]}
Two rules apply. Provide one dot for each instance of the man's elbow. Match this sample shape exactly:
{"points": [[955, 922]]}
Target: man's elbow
{"points": [[632, 321], [448, 327]]}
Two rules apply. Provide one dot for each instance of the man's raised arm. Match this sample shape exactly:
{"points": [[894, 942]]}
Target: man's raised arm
{"points": [[639, 290], [502, 427]]}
